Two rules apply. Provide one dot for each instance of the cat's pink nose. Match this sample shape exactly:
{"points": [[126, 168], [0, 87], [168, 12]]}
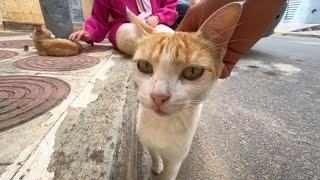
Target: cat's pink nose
{"points": [[160, 98]]}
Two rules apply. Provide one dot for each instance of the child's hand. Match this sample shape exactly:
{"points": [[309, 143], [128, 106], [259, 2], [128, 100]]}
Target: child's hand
{"points": [[153, 21], [80, 35]]}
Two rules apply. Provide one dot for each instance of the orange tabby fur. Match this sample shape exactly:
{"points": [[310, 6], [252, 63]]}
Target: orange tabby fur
{"points": [[48, 46], [170, 98], [186, 48]]}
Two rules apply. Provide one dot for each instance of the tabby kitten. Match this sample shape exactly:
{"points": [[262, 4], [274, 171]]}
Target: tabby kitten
{"points": [[174, 73], [49, 46]]}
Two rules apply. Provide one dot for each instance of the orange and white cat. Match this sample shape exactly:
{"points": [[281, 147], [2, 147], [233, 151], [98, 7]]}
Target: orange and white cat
{"points": [[174, 73], [49, 46]]}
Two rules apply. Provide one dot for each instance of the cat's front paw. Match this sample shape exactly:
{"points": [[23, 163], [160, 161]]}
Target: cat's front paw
{"points": [[157, 168]]}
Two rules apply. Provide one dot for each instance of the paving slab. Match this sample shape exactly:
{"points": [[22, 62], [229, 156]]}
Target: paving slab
{"points": [[25, 149]]}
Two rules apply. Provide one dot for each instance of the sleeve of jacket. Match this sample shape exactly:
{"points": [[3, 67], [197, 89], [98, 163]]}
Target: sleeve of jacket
{"points": [[97, 25], [168, 12]]}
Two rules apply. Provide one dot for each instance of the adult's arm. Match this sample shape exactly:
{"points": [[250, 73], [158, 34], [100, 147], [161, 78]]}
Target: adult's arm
{"points": [[257, 16], [97, 25]]}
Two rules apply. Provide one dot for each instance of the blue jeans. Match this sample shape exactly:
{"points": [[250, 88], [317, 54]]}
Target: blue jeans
{"points": [[182, 8]]}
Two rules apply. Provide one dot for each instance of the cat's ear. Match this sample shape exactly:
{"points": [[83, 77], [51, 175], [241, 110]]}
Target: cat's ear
{"points": [[220, 26], [38, 28], [142, 26], [43, 26]]}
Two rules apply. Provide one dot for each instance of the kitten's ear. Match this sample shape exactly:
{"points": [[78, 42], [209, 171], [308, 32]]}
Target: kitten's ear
{"points": [[43, 26], [37, 28], [220, 26], [143, 27]]}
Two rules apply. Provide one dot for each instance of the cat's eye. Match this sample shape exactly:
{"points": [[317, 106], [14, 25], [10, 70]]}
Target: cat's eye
{"points": [[145, 67], [192, 73]]}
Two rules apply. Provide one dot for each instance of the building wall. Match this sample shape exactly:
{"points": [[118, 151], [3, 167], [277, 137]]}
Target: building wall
{"points": [[303, 11], [29, 11], [87, 7], [23, 11], [309, 12]]}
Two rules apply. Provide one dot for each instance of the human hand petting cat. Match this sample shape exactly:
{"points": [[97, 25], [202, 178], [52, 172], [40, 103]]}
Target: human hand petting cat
{"points": [[80, 35], [255, 20], [153, 21]]}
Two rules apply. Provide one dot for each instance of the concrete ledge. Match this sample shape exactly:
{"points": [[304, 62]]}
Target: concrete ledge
{"points": [[299, 34], [97, 141], [94, 139]]}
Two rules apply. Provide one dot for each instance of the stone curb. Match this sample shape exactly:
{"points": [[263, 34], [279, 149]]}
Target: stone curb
{"points": [[98, 142], [297, 34], [94, 139]]}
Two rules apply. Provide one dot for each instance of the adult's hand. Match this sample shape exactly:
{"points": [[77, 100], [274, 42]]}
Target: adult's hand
{"points": [[80, 35], [257, 16], [153, 21]]}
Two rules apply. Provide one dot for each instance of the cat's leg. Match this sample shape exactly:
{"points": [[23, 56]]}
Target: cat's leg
{"points": [[170, 169], [157, 164]]}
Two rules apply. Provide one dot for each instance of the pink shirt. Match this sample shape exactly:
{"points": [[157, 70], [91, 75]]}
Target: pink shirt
{"points": [[98, 26]]}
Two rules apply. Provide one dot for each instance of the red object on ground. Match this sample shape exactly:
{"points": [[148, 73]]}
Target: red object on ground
{"points": [[16, 44], [54, 64], [4, 54], [23, 98]]}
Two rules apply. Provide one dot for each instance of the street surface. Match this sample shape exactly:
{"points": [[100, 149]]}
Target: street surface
{"points": [[264, 121]]}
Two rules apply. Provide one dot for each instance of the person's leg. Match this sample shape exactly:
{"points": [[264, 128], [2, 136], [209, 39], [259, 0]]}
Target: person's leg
{"points": [[257, 16], [164, 29], [127, 36]]}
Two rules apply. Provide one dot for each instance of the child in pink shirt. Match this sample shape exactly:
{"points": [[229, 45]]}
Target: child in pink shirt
{"points": [[156, 13]]}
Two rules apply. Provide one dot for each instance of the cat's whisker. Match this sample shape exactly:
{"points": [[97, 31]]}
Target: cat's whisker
{"points": [[234, 40], [133, 106], [130, 90], [183, 117], [186, 118], [183, 122]]}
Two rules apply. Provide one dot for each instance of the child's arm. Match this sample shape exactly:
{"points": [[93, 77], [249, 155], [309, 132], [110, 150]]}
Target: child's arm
{"points": [[167, 13], [97, 25]]}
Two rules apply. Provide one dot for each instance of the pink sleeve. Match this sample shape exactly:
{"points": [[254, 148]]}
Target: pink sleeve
{"points": [[97, 25], [168, 12]]}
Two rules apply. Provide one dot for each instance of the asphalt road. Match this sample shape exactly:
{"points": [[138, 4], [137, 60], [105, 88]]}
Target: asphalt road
{"points": [[264, 121]]}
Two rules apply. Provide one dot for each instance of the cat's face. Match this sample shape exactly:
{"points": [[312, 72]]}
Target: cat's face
{"points": [[40, 32], [175, 71]]}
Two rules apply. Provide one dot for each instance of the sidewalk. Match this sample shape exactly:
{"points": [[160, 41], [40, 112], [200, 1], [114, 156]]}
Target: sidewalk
{"points": [[70, 117], [301, 30]]}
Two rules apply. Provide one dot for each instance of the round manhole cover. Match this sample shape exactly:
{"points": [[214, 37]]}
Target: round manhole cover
{"points": [[48, 63], [7, 54], [16, 44], [23, 98]]}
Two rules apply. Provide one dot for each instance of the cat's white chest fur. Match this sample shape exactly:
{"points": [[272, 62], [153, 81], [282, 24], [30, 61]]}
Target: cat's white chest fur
{"points": [[168, 137]]}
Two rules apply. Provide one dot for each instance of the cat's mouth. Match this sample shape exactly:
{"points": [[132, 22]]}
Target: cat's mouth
{"points": [[159, 112]]}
